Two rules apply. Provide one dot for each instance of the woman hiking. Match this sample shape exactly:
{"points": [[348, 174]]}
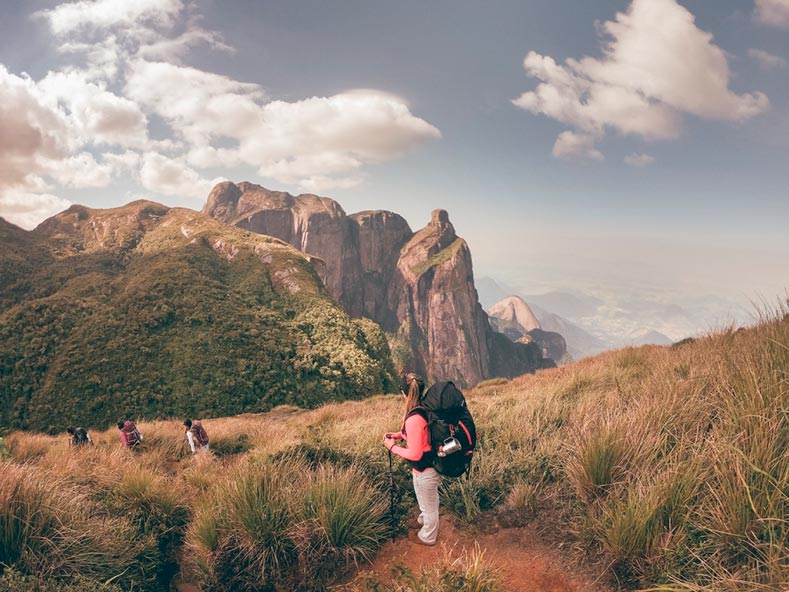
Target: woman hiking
{"points": [[196, 435], [417, 453]]}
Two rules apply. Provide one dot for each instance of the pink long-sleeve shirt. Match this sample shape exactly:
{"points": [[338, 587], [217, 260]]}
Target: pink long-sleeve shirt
{"points": [[416, 437]]}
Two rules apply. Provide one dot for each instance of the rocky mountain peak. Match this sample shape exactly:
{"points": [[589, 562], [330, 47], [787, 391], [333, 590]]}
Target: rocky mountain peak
{"points": [[515, 310], [223, 200], [86, 229], [439, 221], [439, 218], [418, 286]]}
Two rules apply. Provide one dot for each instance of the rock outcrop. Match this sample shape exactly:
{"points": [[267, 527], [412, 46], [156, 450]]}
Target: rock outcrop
{"points": [[441, 324], [418, 286], [513, 317], [314, 225], [552, 344]]}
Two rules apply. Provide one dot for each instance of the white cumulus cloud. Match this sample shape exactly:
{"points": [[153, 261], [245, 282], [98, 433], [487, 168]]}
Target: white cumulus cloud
{"points": [[33, 131], [772, 12], [99, 116], [90, 15], [27, 210], [766, 60], [656, 66], [317, 143], [171, 176], [329, 137], [572, 145]]}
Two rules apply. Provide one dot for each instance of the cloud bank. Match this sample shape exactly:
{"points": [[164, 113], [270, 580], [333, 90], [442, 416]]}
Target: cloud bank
{"points": [[656, 67], [91, 121]]}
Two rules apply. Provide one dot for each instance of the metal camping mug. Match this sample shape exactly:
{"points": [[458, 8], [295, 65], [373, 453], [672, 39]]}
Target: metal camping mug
{"points": [[449, 446]]}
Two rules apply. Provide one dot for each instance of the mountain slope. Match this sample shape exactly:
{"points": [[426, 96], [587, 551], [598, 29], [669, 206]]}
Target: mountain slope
{"points": [[146, 310], [580, 343]]}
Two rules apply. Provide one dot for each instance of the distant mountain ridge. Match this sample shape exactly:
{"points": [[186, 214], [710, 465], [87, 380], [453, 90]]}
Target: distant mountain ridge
{"points": [[579, 342], [419, 286], [591, 325], [513, 317]]}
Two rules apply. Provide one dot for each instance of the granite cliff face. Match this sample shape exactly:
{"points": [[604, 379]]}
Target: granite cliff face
{"points": [[314, 225], [441, 325], [418, 286]]}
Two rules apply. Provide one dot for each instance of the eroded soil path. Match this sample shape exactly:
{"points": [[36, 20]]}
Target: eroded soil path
{"points": [[524, 559]]}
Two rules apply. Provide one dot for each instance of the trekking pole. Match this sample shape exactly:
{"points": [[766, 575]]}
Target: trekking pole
{"points": [[391, 497]]}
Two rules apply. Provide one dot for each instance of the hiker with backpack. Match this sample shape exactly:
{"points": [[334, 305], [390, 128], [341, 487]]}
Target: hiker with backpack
{"points": [[196, 435], [129, 434], [440, 438], [78, 436]]}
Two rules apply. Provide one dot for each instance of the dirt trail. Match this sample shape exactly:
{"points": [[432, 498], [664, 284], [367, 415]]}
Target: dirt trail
{"points": [[524, 562], [522, 558]]}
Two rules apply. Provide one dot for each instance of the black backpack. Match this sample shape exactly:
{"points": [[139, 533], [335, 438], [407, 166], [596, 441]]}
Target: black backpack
{"points": [[448, 417], [80, 437]]}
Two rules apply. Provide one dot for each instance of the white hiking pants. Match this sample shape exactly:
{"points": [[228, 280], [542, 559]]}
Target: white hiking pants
{"points": [[426, 489]]}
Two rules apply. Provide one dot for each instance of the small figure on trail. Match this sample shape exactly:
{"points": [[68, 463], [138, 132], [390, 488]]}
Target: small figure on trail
{"points": [[78, 436], [196, 435], [417, 452], [129, 434]]}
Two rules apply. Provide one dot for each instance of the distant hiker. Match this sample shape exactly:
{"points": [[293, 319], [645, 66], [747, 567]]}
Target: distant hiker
{"points": [[196, 435], [129, 434], [78, 436], [419, 455]]}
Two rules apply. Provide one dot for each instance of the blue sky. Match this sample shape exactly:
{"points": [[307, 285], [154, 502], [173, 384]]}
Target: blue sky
{"points": [[413, 105]]}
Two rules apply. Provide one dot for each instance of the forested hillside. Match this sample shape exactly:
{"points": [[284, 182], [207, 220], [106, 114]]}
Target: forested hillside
{"points": [[153, 312]]}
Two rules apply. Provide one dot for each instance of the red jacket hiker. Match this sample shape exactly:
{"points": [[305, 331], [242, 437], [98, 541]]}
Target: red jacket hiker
{"points": [[129, 434]]}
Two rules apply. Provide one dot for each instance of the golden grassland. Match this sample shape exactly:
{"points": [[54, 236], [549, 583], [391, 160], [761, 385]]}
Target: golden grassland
{"points": [[670, 462]]}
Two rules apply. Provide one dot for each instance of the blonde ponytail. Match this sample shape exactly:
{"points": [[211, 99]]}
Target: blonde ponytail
{"points": [[415, 387]]}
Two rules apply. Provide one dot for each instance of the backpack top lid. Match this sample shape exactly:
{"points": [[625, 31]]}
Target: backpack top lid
{"points": [[443, 396]]}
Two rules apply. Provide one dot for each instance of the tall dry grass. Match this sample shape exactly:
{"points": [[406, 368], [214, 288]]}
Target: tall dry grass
{"points": [[283, 525], [672, 461], [48, 528]]}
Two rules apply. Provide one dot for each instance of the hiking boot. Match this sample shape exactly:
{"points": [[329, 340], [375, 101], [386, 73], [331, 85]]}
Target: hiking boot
{"points": [[413, 536]]}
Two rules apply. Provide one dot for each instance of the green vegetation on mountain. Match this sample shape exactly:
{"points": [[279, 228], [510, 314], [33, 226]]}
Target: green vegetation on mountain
{"points": [[440, 257], [148, 312]]}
